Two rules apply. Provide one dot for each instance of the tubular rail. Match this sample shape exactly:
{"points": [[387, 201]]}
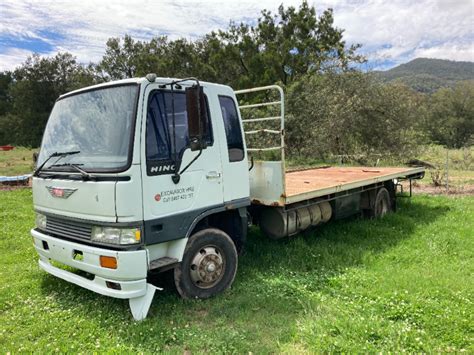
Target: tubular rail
{"points": [[281, 118]]}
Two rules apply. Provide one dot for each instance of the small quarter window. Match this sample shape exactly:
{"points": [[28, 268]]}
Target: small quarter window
{"points": [[233, 132]]}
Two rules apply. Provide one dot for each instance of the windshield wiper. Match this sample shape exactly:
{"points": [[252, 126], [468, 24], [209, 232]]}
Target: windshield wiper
{"points": [[85, 175], [55, 154]]}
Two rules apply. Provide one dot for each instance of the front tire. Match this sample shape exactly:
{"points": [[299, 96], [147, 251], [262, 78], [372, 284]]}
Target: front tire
{"points": [[209, 265]]}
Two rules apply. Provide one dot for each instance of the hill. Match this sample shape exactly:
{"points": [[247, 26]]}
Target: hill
{"points": [[428, 75]]}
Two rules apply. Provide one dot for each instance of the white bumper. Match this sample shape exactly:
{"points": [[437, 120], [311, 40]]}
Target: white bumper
{"points": [[131, 269]]}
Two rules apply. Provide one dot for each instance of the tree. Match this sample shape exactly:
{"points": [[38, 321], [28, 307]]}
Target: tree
{"points": [[122, 57], [293, 47], [34, 88], [451, 115], [6, 80], [279, 48], [351, 114]]}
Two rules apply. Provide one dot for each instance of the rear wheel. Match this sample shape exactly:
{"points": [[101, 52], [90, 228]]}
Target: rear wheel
{"points": [[382, 204], [209, 265]]}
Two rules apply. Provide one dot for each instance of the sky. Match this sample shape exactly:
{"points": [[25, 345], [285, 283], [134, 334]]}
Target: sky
{"points": [[391, 32]]}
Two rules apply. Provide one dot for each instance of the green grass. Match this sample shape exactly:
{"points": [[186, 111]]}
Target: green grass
{"points": [[16, 162], [459, 159], [404, 283], [460, 165]]}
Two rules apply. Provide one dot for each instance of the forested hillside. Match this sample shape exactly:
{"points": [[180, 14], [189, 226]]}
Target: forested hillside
{"points": [[428, 75]]}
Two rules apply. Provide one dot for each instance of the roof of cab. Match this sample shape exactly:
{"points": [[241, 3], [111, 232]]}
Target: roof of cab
{"points": [[139, 80], [108, 83]]}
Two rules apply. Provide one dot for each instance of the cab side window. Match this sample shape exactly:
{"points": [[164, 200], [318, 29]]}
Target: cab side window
{"points": [[233, 132], [159, 127]]}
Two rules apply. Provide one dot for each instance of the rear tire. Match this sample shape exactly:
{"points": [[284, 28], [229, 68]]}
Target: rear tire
{"points": [[382, 204], [209, 265]]}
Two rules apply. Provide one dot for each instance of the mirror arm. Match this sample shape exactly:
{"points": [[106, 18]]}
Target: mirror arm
{"points": [[175, 153], [176, 177]]}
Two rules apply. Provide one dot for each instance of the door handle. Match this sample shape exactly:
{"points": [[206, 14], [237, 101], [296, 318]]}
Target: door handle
{"points": [[213, 175]]}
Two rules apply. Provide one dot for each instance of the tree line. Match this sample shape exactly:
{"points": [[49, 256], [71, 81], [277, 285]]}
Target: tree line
{"points": [[333, 108]]}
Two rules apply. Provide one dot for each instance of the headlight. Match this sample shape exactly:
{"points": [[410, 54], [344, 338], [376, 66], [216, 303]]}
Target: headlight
{"points": [[40, 221], [114, 235]]}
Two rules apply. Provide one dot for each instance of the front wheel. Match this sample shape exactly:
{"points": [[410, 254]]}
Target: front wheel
{"points": [[209, 265]]}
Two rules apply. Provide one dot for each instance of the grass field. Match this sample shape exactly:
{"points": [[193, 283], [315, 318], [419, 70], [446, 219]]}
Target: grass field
{"points": [[460, 168], [404, 283], [16, 162]]}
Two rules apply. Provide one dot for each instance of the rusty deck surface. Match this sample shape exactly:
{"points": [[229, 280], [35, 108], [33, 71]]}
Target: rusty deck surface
{"points": [[307, 181]]}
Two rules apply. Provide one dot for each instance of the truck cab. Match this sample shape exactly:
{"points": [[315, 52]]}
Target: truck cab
{"points": [[127, 173]]}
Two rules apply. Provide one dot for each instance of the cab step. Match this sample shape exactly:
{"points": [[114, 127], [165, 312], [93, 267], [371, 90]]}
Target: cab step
{"points": [[163, 264]]}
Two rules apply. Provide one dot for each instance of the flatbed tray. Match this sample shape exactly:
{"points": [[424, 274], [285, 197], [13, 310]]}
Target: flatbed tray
{"points": [[311, 183], [269, 187]]}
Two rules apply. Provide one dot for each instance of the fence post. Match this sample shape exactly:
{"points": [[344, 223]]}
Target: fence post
{"points": [[447, 170]]}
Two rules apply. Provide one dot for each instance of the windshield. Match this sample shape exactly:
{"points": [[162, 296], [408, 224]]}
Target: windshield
{"points": [[97, 123]]}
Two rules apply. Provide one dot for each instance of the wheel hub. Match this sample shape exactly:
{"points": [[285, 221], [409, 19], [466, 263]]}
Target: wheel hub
{"points": [[207, 267], [211, 267]]}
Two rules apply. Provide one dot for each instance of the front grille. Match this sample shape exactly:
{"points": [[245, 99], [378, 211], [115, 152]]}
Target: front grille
{"points": [[67, 228]]}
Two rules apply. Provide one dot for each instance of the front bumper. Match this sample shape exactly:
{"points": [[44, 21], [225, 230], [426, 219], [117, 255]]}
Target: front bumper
{"points": [[131, 269]]}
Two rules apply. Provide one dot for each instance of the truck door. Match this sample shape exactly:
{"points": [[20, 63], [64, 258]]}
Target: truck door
{"points": [[234, 159], [170, 208]]}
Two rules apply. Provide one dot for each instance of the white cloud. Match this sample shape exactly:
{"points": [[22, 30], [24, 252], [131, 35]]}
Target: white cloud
{"points": [[403, 30], [460, 52], [397, 30], [84, 26], [13, 57]]}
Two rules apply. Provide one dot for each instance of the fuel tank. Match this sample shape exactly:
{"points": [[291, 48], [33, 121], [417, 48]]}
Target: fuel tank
{"points": [[278, 223]]}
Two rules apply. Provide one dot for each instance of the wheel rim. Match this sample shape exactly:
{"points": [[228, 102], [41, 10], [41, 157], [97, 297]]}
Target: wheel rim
{"points": [[382, 207], [207, 267]]}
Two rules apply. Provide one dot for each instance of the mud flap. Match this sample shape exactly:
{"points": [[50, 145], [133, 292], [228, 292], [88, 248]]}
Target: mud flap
{"points": [[140, 305]]}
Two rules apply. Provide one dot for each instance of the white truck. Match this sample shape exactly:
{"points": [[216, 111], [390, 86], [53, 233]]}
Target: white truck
{"points": [[146, 175]]}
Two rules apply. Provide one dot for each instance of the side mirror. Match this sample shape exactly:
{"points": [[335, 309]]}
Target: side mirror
{"points": [[198, 122]]}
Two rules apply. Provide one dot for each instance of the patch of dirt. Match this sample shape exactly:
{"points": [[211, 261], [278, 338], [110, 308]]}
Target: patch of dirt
{"points": [[10, 188], [465, 190], [13, 185]]}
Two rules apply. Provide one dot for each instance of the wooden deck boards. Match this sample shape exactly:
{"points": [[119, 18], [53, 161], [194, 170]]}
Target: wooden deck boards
{"points": [[305, 181]]}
